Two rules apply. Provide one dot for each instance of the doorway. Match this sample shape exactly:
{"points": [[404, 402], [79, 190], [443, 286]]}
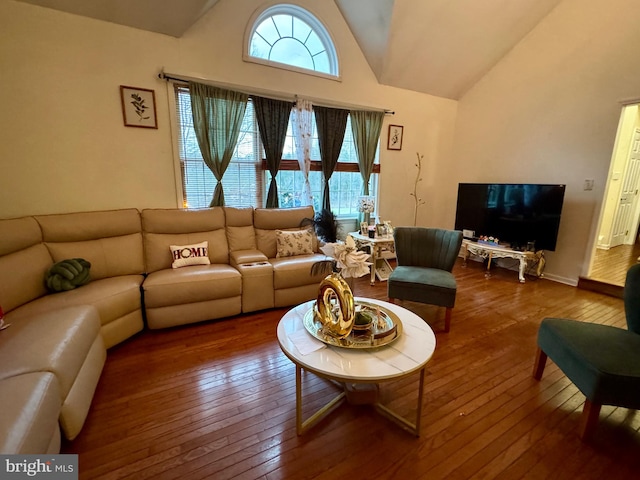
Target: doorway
{"points": [[617, 245]]}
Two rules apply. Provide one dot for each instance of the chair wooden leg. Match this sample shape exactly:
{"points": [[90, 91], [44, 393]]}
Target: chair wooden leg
{"points": [[538, 366], [589, 419], [447, 320]]}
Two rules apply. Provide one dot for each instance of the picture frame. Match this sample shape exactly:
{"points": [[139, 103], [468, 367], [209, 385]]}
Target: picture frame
{"points": [[138, 107], [394, 139], [381, 230], [383, 269], [364, 227]]}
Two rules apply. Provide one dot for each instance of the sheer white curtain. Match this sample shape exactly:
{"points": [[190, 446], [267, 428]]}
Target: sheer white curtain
{"points": [[302, 118]]}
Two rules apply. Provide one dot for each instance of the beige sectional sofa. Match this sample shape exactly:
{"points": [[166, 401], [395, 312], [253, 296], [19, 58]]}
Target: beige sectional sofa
{"points": [[52, 355]]}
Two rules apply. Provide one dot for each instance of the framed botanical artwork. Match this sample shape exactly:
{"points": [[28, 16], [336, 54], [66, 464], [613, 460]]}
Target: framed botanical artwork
{"points": [[138, 107], [394, 142]]}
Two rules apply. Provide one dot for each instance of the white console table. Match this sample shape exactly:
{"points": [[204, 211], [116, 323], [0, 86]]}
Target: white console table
{"points": [[379, 266], [490, 252]]}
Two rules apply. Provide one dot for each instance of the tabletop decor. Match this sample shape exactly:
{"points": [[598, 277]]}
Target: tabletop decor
{"points": [[381, 327], [349, 261], [335, 307], [366, 205]]}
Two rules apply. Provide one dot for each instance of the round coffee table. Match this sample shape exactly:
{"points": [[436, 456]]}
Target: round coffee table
{"points": [[406, 355]]}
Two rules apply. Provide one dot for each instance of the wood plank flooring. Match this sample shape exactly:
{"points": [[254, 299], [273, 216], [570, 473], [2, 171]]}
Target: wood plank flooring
{"points": [[611, 265], [217, 401]]}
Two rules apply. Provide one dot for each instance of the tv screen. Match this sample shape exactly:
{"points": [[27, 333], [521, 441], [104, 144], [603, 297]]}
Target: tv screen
{"points": [[514, 213]]}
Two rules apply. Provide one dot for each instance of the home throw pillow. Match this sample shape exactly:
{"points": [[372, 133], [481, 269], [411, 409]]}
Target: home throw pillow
{"points": [[67, 274], [291, 243], [184, 255]]}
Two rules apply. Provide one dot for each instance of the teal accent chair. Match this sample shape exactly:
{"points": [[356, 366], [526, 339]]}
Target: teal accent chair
{"points": [[425, 258], [601, 360]]}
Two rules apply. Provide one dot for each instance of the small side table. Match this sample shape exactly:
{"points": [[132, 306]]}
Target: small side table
{"points": [[376, 245]]}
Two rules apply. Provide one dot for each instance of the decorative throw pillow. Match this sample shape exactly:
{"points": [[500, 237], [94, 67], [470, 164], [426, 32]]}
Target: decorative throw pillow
{"points": [[184, 255], [68, 274], [291, 243]]}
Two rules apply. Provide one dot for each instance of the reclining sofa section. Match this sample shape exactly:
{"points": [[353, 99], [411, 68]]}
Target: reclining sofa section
{"points": [[52, 355]]}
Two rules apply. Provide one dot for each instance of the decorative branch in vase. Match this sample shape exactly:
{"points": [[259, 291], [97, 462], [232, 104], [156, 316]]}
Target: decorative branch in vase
{"points": [[418, 201]]}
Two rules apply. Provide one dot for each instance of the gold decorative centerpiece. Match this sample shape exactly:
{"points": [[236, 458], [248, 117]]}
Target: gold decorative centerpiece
{"points": [[335, 306]]}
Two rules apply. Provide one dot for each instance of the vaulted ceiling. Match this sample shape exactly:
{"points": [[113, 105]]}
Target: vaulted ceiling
{"points": [[439, 47]]}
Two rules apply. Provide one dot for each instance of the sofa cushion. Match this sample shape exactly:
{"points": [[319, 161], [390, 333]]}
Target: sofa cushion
{"points": [[241, 238], [22, 276], [158, 251], [238, 216], [291, 272], [110, 240], [280, 218], [189, 285], [185, 255], [113, 297], [109, 257], [163, 228], [18, 234], [68, 274], [267, 243], [55, 341], [29, 414], [292, 243]]}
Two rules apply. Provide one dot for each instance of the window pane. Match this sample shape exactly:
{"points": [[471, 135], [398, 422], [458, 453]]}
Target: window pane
{"points": [[291, 52], [260, 48], [314, 44], [283, 24], [268, 31], [300, 29]]}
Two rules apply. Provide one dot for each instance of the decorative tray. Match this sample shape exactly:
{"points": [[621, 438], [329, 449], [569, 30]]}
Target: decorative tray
{"points": [[385, 328]]}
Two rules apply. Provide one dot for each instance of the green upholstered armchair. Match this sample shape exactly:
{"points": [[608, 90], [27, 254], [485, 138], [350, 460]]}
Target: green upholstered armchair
{"points": [[425, 258], [601, 360]]}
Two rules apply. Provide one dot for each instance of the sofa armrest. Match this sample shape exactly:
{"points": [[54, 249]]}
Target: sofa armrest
{"points": [[243, 257]]}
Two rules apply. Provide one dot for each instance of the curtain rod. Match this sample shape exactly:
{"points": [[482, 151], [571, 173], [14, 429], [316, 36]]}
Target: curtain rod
{"points": [[170, 77]]}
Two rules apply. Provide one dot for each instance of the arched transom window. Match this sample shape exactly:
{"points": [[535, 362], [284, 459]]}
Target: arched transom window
{"points": [[290, 36]]}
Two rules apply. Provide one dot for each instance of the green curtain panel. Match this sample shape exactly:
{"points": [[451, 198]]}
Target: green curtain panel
{"points": [[331, 124], [217, 118], [365, 127], [273, 120]]}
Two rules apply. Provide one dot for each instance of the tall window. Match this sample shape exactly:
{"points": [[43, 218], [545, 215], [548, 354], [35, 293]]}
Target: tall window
{"points": [[247, 178], [288, 35]]}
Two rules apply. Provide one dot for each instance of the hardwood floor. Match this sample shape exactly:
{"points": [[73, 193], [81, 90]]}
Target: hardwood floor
{"points": [[611, 265], [217, 401]]}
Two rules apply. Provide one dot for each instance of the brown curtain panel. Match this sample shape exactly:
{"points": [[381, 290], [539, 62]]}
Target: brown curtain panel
{"points": [[331, 124], [273, 120]]}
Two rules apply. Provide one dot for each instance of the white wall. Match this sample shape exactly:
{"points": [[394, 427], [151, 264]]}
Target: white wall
{"points": [[63, 146], [548, 113]]}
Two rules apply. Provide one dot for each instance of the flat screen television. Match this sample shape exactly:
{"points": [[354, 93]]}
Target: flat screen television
{"points": [[517, 214]]}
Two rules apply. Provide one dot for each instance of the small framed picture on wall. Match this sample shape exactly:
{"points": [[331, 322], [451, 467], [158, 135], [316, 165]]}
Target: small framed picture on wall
{"points": [[394, 142], [138, 107]]}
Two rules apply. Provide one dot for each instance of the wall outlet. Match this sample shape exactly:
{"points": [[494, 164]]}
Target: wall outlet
{"points": [[588, 184]]}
